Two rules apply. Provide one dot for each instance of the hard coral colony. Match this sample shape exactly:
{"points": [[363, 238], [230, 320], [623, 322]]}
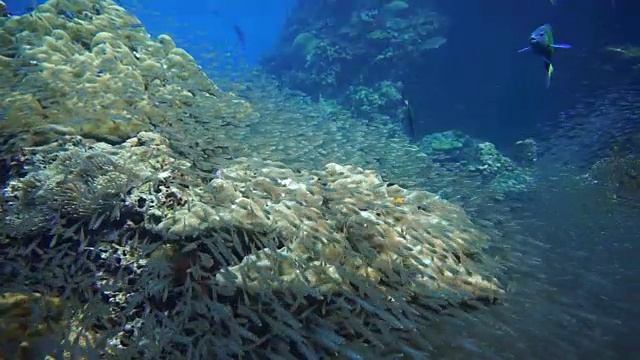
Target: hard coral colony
{"points": [[133, 244]]}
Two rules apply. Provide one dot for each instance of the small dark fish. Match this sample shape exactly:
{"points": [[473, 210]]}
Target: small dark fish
{"points": [[541, 43], [33, 5], [240, 34], [409, 122], [69, 15]]}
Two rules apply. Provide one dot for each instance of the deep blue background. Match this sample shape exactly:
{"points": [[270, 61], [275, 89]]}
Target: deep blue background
{"points": [[478, 83]]}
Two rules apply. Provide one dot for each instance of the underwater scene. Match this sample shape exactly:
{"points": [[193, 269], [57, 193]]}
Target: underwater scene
{"points": [[320, 179]]}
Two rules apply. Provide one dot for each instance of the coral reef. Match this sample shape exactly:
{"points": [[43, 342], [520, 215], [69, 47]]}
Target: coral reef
{"points": [[84, 68], [26, 321], [525, 153], [180, 243], [344, 50], [620, 172], [625, 59], [467, 156], [491, 161], [500, 171], [381, 98], [275, 257], [448, 143]]}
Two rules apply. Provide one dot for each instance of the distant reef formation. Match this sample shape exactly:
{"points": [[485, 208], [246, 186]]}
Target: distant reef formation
{"points": [[356, 51], [139, 220]]}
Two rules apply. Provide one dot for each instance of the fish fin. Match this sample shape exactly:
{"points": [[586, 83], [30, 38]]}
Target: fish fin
{"points": [[549, 72], [562, 46], [525, 49]]}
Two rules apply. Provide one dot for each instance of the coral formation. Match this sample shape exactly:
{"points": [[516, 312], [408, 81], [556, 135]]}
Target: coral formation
{"points": [[491, 161], [525, 153], [81, 68], [344, 50], [259, 233], [381, 98], [620, 172], [444, 142], [84, 183], [180, 243], [502, 173]]}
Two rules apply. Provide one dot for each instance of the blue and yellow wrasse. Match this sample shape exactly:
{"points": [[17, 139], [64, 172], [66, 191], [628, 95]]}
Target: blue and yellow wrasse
{"points": [[541, 43]]}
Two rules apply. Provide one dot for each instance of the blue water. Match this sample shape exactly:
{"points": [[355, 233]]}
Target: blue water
{"points": [[569, 243], [208, 25], [203, 27]]}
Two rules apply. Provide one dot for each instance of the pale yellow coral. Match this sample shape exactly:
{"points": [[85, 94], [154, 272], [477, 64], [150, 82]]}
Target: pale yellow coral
{"points": [[96, 77], [423, 232], [189, 221]]}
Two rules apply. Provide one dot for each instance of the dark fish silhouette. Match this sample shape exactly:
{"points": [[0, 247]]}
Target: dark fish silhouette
{"points": [[409, 122], [240, 34], [541, 43]]}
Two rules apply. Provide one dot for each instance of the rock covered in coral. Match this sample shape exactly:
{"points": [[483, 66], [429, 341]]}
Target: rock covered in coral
{"points": [[256, 228], [525, 153], [87, 182], [448, 143], [86, 68], [491, 161], [383, 98], [470, 156], [502, 173], [27, 320], [343, 50], [329, 217]]}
